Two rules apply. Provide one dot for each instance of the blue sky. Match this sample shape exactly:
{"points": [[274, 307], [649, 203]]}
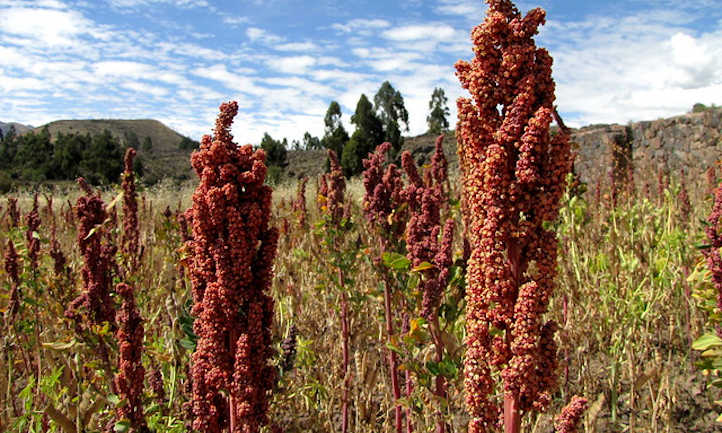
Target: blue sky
{"points": [[284, 61]]}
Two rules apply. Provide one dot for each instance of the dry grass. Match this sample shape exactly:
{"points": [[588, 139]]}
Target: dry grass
{"points": [[624, 341]]}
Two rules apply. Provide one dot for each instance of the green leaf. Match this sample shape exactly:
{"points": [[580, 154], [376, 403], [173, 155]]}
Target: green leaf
{"points": [[412, 282], [706, 341], [300, 253], [396, 261], [59, 345], [188, 344], [422, 267], [91, 233], [121, 426], [394, 348], [433, 368], [448, 368]]}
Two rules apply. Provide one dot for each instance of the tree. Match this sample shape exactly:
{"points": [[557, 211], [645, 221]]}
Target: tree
{"points": [[148, 144], [389, 105], [131, 139], [369, 133], [439, 111], [276, 154], [8, 148], [335, 135], [103, 159], [310, 142], [188, 143]]}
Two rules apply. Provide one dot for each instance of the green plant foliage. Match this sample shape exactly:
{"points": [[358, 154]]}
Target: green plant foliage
{"points": [[389, 105], [39, 157], [369, 133], [310, 142], [335, 135], [276, 151], [439, 111]]}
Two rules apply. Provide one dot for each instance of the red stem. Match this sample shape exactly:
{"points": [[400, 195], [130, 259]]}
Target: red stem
{"points": [[345, 335], [440, 382], [407, 376], [512, 416], [409, 390], [231, 399], [392, 354]]}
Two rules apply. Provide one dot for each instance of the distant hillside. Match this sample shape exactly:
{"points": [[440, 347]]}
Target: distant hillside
{"points": [[164, 158], [311, 163], [690, 142], [19, 127]]}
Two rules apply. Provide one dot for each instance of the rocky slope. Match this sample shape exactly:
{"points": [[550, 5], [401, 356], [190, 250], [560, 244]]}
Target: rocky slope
{"points": [[19, 127], [690, 142]]}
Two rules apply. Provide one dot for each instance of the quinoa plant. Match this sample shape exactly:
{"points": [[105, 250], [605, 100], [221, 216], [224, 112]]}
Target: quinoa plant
{"points": [[233, 248], [383, 210], [335, 225], [513, 172]]}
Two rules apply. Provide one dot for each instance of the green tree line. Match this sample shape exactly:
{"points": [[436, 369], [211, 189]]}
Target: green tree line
{"points": [[38, 157], [383, 120]]}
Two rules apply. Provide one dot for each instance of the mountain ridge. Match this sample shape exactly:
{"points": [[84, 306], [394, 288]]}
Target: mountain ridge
{"points": [[165, 157], [691, 142], [19, 127]]}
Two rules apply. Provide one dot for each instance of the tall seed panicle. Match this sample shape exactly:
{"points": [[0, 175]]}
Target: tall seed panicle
{"points": [[233, 250], [712, 252], [322, 193], [383, 193], [98, 260], [12, 268], [299, 205], [336, 189], [32, 238], [131, 233], [568, 420], [439, 166], [513, 174], [13, 212], [130, 376]]}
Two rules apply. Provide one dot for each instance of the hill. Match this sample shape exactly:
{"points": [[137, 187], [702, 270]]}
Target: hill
{"points": [[165, 156], [690, 142], [19, 127]]}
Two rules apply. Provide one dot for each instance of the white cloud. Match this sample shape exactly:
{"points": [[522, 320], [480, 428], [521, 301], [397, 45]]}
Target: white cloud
{"points": [[467, 8], [184, 4], [234, 20], [140, 87], [297, 46], [361, 24], [259, 35], [441, 32], [292, 65], [615, 72], [337, 76], [49, 27], [229, 79], [123, 69]]}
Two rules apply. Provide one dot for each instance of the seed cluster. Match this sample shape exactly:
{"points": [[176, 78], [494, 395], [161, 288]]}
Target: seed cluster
{"points": [[383, 193], [129, 379], [233, 250], [32, 239], [131, 234], [98, 260], [714, 238], [513, 173]]}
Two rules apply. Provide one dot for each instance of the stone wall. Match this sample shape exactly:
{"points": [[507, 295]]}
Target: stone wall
{"points": [[690, 142]]}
